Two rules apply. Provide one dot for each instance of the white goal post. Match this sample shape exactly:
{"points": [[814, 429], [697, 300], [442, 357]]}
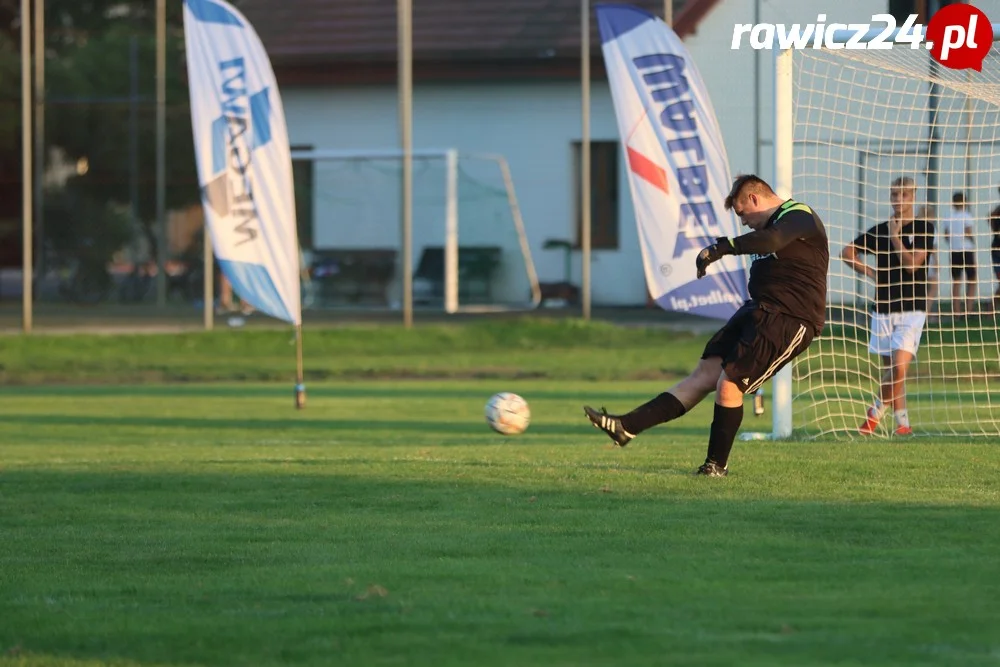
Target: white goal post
{"points": [[462, 202], [846, 124]]}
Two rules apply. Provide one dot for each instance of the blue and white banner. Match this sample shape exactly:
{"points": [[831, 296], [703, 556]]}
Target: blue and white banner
{"points": [[677, 164], [244, 162]]}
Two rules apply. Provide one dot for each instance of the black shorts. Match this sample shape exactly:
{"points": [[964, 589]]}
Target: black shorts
{"points": [[963, 261], [755, 344], [995, 254]]}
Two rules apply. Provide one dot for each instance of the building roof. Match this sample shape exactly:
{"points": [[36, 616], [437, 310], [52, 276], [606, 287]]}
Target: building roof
{"points": [[303, 36]]}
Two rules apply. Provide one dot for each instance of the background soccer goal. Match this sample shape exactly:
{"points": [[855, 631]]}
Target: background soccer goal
{"points": [[847, 124], [470, 252]]}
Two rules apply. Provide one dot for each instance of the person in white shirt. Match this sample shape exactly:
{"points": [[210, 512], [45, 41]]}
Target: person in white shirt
{"points": [[959, 234]]}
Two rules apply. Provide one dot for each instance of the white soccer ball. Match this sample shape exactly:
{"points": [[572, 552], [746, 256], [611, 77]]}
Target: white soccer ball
{"points": [[507, 413]]}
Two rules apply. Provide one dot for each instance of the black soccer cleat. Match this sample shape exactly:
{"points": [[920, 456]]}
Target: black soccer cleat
{"points": [[711, 469], [609, 424]]}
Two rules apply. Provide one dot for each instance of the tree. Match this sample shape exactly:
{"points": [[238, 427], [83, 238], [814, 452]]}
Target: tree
{"points": [[94, 51]]}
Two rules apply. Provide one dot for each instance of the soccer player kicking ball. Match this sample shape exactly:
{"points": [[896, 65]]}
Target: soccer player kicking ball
{"points": [[787, 307]]}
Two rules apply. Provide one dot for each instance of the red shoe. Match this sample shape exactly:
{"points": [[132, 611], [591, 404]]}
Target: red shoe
{"points": [[868, 428], [904, 431]]}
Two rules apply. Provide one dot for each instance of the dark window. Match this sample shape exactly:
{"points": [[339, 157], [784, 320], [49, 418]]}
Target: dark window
{"points": [[302, 176], [603, 194], [924, 9], [900, 9]]}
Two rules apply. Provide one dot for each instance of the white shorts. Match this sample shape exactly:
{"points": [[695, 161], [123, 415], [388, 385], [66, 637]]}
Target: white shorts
{"points": [[896, 331]]}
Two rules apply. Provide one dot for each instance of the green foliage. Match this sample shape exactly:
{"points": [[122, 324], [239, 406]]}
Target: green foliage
{"points": [[88, 111], [91, 118], [10, 98], [82, 229]]}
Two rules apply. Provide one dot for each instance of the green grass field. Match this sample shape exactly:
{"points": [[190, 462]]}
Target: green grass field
{"points": [[148, 521]]}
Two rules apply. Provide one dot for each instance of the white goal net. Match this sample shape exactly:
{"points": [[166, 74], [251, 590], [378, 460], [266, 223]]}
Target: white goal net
{"points": [[863, 119], [469, 249]]}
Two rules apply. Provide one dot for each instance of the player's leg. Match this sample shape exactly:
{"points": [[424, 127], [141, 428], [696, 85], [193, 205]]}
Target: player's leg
{"points": [[892, 394], [957, 271], [726, 421], [774, 341], [225, 293], [680, 398], [899, 367], [665, 407], [677, 400], [883, 401], [879, 343], [904, 341], [971, 283]]}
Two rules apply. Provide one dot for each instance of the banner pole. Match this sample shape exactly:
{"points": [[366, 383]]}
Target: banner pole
{"points": [[585, 175], [27, 222], [161, 151]]}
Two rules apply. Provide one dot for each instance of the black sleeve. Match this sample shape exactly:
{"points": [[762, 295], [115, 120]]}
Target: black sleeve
{"points": [[793, 225], [923, 239], [866, 242]]}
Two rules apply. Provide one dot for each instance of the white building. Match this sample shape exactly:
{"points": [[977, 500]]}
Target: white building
{"points": [[503, 78]]}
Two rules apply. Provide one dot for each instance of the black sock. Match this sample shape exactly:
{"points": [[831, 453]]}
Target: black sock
{"points": [[725, 424], [661, 409]]}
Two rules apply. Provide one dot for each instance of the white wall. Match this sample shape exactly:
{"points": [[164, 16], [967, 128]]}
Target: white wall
{"points": [[532, 125]]}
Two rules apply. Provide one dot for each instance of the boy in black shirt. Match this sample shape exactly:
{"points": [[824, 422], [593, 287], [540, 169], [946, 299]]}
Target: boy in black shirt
{"points": [[901, 246], [787, 286]]}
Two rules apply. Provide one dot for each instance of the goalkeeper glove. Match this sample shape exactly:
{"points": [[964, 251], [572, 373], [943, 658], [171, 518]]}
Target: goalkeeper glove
{"points": [[723, 246]]}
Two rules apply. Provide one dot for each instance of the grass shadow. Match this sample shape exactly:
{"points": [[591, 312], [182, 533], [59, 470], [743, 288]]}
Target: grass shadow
{"points": [[290, 425]]}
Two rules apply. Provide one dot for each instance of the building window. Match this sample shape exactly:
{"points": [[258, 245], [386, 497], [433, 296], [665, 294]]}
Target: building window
{"points": [[902, 9], [603, 194], [302, 177]]}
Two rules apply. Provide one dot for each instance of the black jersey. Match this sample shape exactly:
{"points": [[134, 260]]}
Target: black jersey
{"points": [[898, 289], [791, 257], [995, 227]]}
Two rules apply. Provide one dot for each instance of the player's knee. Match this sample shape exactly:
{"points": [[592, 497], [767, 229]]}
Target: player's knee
{"points": [[897, 373], [727, 391]]}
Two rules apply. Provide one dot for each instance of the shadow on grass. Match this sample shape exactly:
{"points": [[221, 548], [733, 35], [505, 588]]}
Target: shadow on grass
{"points": [[289, 426], [293, 569], [361, 389]]}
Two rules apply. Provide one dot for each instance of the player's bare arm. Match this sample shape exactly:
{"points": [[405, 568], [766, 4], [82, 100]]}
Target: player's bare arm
{"points": [[852, 258], [911, 260]]}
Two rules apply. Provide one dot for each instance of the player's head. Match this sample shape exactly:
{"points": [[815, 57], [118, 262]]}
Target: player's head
{"points": [[752, 200], [958, 200], [902, 196]]}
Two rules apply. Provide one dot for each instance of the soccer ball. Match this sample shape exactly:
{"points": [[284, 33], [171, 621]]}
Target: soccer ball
{"points": [[507, 413]]}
